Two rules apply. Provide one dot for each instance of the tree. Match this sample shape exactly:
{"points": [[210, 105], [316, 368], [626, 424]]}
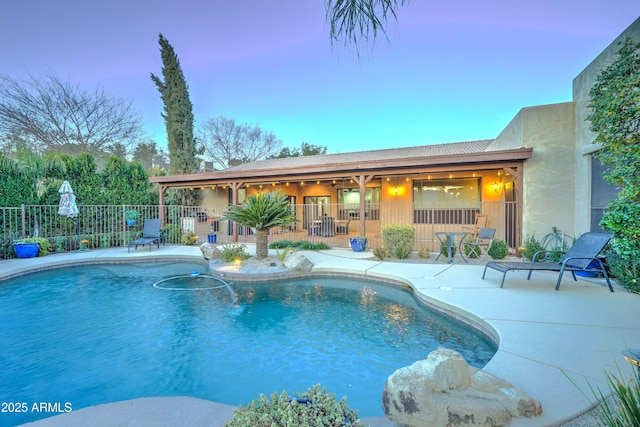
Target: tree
{"points": [[228, 144], [306, 149], [126, 183], [144, 153], [178, 112], [615, 119], [352, 19], [262, 211], [53, 114], [178, 119]]}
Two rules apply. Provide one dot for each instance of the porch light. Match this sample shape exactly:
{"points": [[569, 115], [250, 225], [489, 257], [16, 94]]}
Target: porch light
{"points": [[395, 191], [497, 187]]}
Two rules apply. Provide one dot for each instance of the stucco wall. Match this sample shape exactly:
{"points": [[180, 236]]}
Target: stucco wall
{"points": [[584, 138], [548, 178]]}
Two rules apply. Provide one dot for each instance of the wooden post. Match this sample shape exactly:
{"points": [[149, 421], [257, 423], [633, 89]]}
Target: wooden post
{"points": [[362, 180]]}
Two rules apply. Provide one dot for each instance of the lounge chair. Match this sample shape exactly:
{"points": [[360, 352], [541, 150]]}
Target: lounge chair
{"points": [[582, 256], [150, 234]]}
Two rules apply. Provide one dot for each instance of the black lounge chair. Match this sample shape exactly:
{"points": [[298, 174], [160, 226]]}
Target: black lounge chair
{"points": [[150, 234], [582, 256]]}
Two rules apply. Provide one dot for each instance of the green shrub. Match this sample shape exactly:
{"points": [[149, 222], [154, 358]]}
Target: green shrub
{"points": [[531, 246], [313, 408], [399, 239], [59, 244], [308, 246], [472, 251], [626, 271], [301, 244], [444, 249], [403, 252], [555, 254], [498, 249], [281, 244], [424, 253], [189, 238], [233, 252], [172, 233], [6, 248], [105, 240], [626, 397], [380, 253]]}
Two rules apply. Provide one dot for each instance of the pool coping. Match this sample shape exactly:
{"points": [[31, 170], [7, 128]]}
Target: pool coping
{"points": [[554, 345]]}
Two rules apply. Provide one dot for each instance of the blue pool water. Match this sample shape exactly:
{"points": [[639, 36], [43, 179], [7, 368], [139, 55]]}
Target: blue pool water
{"points": [[82, 336]]}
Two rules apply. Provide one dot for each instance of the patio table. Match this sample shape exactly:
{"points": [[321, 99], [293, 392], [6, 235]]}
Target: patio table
{"points": [[448, 239]]}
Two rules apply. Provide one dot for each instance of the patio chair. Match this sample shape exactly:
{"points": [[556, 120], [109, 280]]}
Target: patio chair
{"points": [[150, 234], [327, 227], [343, 227], [481, 222], [582, 256], [481, 244]]}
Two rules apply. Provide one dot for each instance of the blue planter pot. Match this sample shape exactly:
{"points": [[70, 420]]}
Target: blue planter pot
{"points": [[592, 264], [131, 222], [26, 250], [358, 245]]}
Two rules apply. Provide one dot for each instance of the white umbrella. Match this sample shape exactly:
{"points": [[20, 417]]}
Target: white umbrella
{"points": [[68, 205]]}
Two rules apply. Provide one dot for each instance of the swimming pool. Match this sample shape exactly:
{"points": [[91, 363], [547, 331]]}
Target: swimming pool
{"points": [[96, 334]]}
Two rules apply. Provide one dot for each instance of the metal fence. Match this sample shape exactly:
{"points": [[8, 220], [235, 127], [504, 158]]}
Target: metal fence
{"points": [[106, 226]]}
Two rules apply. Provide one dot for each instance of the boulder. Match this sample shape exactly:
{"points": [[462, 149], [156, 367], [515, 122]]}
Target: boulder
{"points": [[210, 251], [297, 261], [443, 390]]}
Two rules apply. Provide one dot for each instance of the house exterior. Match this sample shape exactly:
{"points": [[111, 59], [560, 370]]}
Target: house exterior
{"points": [[538, 173]]}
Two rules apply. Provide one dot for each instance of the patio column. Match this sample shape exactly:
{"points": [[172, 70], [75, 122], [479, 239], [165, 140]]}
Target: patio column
{"points": [[161, 190], [362, 180], [235, 186]]}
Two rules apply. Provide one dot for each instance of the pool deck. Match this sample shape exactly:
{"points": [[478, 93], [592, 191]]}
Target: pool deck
{"points": [[554, 345]]}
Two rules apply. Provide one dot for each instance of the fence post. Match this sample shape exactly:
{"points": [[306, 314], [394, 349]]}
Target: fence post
{"points": [[123, 221], [24, 223]]}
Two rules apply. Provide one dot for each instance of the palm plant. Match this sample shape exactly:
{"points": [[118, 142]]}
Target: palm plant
{"points": [[262, 211], [352, 19]]}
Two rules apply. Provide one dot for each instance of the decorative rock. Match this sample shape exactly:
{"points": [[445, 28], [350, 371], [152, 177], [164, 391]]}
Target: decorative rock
{"points": [[444, 391], [297, 261], [209, 251]]}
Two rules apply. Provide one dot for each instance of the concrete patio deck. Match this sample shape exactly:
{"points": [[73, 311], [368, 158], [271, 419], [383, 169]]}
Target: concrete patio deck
{"points": [[552, 344]]}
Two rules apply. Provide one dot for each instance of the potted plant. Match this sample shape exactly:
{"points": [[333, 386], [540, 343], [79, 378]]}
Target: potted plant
{"points": [[358, 244], [31, 247], [131, 216]]}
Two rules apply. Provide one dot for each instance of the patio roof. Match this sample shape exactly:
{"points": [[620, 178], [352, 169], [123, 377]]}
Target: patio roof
{"points": [[451, 156]]}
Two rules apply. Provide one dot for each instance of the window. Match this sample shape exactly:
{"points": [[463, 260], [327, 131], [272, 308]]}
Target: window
{"points": [[349, 203], [601, 193], [446, 201]]}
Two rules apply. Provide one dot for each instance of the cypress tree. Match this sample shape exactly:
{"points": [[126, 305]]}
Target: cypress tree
{"points": [[178, 112]]}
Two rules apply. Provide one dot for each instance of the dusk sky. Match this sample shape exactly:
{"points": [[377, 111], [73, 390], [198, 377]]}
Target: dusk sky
{"points": [[451, 71]]}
